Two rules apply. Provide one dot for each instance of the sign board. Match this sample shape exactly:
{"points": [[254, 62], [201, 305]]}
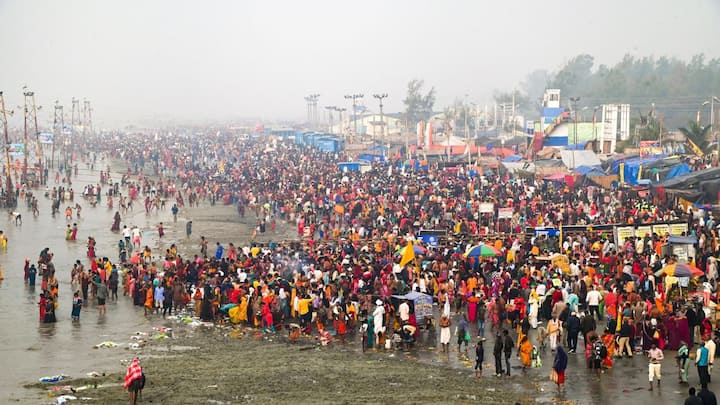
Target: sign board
{"points": [[17, 150], [641, 231], [678, 229], [661, 229], [623, 233], [546, 232], [46, 138], [487, 208], [681, 251], [562, 262], [504, 213], [423, 307], [430, 240]]}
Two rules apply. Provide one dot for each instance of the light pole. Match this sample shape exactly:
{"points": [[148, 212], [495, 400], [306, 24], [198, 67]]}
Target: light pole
{"points": [[380, 98], [354, 97], [467, 130], [712, 101], [342, 123], [596, 149], [308, 104], [574, 101], [9, 191], [330, 109]]}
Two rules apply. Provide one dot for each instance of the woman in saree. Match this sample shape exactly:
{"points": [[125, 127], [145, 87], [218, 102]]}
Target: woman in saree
{"points": [[608, 339]]}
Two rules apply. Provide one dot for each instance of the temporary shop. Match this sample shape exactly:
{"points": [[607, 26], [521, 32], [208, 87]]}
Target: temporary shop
{"points": [[699, 187], [683, 247], [422, 303]]}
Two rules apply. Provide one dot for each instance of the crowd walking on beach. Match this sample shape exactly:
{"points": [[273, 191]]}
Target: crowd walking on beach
{"points": [[357, 268]]}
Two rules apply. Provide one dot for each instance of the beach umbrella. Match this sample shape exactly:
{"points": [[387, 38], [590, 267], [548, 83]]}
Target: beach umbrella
{"points": [[481, 250], [419, 250], [680, 270]]}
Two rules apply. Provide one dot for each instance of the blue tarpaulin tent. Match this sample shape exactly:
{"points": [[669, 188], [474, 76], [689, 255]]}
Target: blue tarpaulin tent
{"points": [[422, 302]]}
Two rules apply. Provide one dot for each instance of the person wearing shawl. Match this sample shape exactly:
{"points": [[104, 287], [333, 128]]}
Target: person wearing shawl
{"points": [[683, 362], [134, 380], [558, 368]]}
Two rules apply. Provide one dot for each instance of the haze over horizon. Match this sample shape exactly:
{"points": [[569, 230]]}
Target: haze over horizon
{"points": [[184, 61]]}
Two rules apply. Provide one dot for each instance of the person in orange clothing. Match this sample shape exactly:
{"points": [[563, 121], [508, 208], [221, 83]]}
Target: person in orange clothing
{"points": [[525, 349], [149, 299]]}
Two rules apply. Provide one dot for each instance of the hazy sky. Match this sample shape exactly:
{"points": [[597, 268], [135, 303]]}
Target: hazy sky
{"points": [[195, 60]]}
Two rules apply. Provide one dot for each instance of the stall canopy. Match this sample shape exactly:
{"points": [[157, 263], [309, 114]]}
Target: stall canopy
{"points": [[701, 187], [656, 169], [576, 158], [421, 302]]}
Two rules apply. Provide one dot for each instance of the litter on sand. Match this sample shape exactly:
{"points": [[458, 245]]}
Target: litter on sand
{"points": [[52, 379], [106, 344], [64, 398]]}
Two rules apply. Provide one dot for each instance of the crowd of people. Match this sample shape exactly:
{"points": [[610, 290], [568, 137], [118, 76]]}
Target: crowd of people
{"points": [[343, 272]]}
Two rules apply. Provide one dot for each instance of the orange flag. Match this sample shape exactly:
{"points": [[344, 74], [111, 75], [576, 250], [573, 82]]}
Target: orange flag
{"points": [[408, 255]]}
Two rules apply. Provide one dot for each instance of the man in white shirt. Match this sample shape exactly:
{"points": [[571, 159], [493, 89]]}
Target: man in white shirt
{"points": [[710, 345], [404, 310], [593, 299], [655, 367]]}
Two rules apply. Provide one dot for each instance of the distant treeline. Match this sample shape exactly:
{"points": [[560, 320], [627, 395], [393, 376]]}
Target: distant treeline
{"points": [[676, 87]]}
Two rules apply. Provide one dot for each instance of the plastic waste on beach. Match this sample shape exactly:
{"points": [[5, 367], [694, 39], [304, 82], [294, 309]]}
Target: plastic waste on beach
{"points": [[140, 334], [162, 329], [63, 399], [134, 346], [136, 337], [68, 388], [160, 336], [95, 374], [53, 379], [106, 344]]}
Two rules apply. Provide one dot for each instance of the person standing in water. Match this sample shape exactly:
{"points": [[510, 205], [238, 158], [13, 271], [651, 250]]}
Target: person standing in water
{"points": [[76, 307], [101, 293]]}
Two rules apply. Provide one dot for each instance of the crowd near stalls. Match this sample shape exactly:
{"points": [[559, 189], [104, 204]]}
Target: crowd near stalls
{"points": [[555, 269]]}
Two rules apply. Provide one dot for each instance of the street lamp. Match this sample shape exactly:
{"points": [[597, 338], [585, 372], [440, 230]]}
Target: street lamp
{"points": [[354, 97], [712, 101], [596, 149], [330, 109], [574, 101], [9, 191], [340, 116], [380, 98]]}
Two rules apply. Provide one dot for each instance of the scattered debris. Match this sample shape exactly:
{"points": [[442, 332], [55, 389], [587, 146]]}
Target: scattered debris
{"points": [[53, 379], [106, 344]]}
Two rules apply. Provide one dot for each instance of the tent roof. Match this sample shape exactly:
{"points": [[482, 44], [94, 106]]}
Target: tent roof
{"points": [[412, 295], [682, 240], [581, 158], [584, 170]]}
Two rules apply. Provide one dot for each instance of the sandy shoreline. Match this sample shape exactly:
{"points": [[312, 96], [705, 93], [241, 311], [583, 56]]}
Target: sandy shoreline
{"points": [[230, 365]]}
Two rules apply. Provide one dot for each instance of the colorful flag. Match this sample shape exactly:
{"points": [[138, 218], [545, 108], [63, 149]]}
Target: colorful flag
{"points": [[408, 254]]}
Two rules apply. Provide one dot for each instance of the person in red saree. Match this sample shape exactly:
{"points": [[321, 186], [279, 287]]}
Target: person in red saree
{"points": [[134, 380]]}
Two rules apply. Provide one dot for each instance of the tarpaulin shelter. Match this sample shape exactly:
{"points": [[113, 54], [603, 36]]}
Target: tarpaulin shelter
{"points": [[700, 187], [421, 302]]}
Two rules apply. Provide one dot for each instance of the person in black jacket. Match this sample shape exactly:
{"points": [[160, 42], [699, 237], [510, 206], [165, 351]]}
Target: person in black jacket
{"points": [[573, 328], [479, 357], [707, 396], [497, 352], [507, 346], [587, 324]]}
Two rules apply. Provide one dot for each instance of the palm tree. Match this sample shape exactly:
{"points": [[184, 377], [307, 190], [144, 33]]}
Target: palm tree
{"points": [[697, 134]]}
